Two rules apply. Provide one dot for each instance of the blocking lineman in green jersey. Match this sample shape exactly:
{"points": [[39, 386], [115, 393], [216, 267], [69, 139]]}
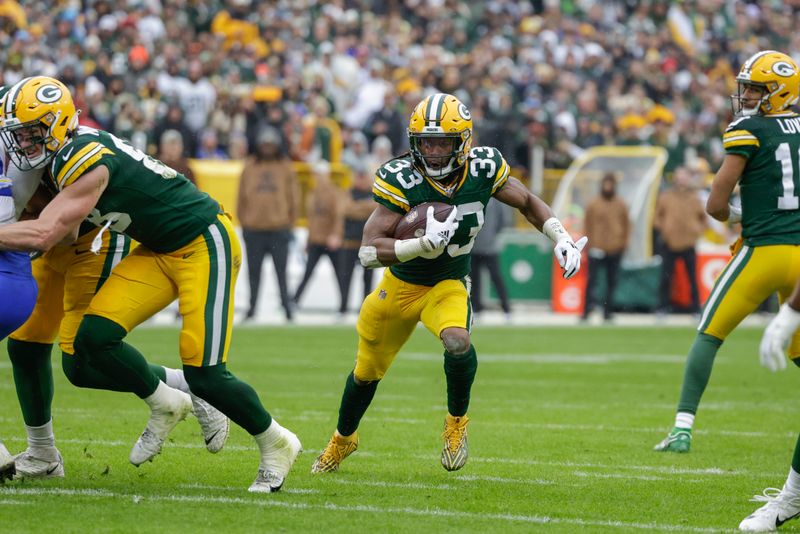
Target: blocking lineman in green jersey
{"points": [[188, 249], [399, 186], [426, 280], [762, 157], [147, 200]]}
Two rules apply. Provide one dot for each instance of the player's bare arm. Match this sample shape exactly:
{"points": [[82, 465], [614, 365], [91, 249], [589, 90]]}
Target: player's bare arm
{"points": [[378, 236], [61, 217], [539, 214], [515, 194], [721, 188]]}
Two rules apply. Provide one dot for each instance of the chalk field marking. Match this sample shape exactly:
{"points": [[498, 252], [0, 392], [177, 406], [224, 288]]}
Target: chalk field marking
{"points": [[558, 358], [429, 512]]}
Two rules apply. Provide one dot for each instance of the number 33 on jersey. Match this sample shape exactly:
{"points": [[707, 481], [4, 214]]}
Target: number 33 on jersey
{"points": [[399, 186]]}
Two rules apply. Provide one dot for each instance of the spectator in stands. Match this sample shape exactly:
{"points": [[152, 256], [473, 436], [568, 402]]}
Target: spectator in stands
{"points": [[680, 220], [171, 154], [173, 120], [486, 253], [608, 228], [325, 215], [389, 122], [209, 146], [358, 206], [196, 97], [267, 208]]}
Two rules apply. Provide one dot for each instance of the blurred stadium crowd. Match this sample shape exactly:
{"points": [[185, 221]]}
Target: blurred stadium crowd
{"points": [[339, 79]]}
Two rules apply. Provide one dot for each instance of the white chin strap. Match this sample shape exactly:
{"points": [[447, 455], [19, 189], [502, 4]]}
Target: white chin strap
{"points": [[438, 174]]}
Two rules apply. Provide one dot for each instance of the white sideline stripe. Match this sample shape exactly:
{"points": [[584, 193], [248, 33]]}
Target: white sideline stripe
{"points": [[504, 480], [585, 474], [429, 512], [597, 359], [315, 416], [4, 502], [384, 484], [299, 491]]}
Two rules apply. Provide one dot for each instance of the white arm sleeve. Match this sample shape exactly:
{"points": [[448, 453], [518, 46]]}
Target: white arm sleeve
{"points": [[25, 184], [6, 202]]}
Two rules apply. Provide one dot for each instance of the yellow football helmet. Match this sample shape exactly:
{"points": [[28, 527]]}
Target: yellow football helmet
{"points": [[440, 135], [38, 116], [776, 74]]}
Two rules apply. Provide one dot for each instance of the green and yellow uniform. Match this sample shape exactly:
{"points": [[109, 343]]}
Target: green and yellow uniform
{"points": [[769, 259], [432, 290], [68, 277], [188, 248]]}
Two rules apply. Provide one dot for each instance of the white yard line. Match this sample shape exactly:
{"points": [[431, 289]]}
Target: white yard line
{"points": [[298, 491], [585, 474], [557, 358], [428, 512], [657, 431]]}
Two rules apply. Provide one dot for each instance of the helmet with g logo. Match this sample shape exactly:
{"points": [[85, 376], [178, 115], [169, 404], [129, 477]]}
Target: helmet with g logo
{"points": [[440, 118], [38, 116], [776, 74]]}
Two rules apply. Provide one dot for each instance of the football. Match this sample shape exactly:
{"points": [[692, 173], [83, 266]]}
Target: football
{"points": [[413, 223]]}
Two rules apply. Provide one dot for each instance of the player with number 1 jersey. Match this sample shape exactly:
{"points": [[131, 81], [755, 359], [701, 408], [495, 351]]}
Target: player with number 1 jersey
{"points": [[427, 279], [762, 147]]}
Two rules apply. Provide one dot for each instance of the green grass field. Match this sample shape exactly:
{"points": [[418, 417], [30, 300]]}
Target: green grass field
{"points": [[563, 425]]}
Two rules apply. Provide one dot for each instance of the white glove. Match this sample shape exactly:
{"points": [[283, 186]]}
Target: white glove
{"points": [[735, 214], [568, 254], [438, 234], [776, 338]]}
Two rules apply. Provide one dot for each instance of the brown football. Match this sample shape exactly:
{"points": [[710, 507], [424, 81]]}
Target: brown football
{"points": [[413, 223]]}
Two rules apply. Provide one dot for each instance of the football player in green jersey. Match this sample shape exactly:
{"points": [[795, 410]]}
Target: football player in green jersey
{"points": [[427, 279], [187, 250], [762, 146]]}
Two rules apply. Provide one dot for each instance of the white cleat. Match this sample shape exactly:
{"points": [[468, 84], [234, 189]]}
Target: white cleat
{"points": [[162, 421], [7, 468], [214, 423], [29, 466], [276, 464], [781, 507]]}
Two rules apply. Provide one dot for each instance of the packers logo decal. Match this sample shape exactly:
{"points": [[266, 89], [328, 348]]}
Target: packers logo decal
{"points": [[782, 68], [47, 94], [464, 112]]}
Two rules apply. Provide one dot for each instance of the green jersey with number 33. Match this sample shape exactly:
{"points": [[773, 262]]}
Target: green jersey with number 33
{"points": [[399, 187], [144, 199], [770, 184]]}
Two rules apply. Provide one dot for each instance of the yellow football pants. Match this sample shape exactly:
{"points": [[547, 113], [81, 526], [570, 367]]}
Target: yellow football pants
{"points": [[68, 277], [202, 275], [390, 313], [752, 275]]}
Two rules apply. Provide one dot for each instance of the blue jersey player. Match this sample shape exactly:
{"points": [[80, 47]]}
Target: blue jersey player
{"points": [[17, 289]]}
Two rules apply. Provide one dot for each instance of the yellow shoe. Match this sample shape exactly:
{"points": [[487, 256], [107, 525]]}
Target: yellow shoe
{"points": [[455, 451], [338, 448]]}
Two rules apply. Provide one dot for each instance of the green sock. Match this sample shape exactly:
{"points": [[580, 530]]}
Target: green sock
{"points": [[81, 374], [698, 371], [33, 378], [229, 395], [796, 457], [460, 373], [355, 401], [159, 371], [99, 340]]}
